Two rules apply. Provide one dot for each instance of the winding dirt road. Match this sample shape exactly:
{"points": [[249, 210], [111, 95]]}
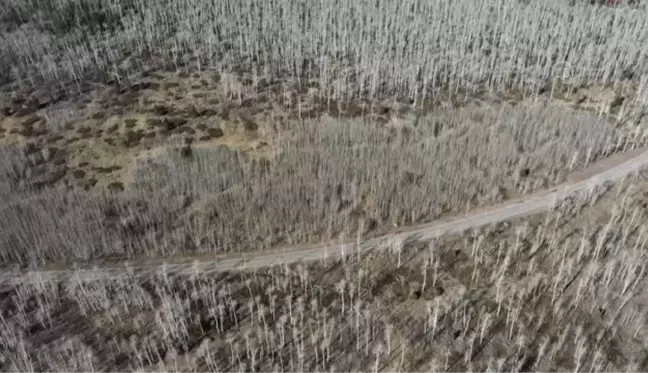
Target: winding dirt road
{"points": [[608, 170]]}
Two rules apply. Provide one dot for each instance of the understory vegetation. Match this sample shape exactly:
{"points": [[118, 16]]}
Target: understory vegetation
{"points": [[331, 178], [561, 291]]}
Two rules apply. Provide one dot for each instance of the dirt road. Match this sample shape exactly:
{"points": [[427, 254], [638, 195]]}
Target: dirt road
{"points": [[530, 205]]}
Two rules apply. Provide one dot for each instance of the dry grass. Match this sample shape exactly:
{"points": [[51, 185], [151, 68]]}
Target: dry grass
{"points": [[106, 134]]}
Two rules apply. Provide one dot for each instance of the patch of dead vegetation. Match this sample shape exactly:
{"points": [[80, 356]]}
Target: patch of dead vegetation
{"points": [[525, 295], [215, 110]]}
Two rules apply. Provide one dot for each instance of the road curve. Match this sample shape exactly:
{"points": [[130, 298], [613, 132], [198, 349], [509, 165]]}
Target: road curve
{"points": [[534, 204]]}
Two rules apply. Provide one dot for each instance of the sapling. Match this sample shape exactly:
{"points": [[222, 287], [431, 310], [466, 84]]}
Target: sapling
{"points": [[281, 326], [580, 352], [498, 294], [397, 247], [436, 270], [218, 314], [402, 355], [357, 308], [314, 337], [361, 274], [428, 315], [468, 354], [361, 225], [435, 317], [340, 287], [378, 350], [389, 327], [367, 316], [351, 294], [424, 268]]}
